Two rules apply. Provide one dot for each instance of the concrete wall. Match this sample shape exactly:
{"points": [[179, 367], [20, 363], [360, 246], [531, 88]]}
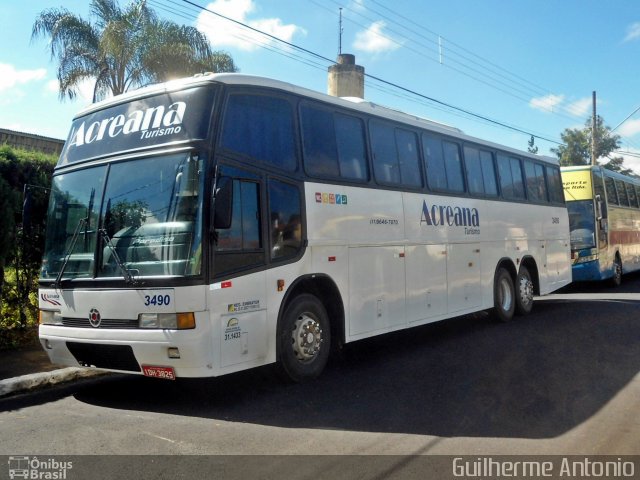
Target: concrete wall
{"points": [[29, 141]]}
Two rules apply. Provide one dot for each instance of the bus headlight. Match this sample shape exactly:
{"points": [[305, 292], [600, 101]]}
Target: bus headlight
{"points": [[172, 321], [585, 256], [49, 317]]}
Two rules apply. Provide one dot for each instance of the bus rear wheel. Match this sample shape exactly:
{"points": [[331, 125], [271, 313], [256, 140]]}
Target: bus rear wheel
{"points": [[304, 338], [504, 303], [524, 292]]}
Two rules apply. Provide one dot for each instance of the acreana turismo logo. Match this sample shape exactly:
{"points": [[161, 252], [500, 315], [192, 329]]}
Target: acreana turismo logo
{"points": [[151, 122], [453, 216]]}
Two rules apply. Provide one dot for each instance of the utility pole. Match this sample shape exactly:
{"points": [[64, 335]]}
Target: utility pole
{"points": [[340, 34], [593, 130]]}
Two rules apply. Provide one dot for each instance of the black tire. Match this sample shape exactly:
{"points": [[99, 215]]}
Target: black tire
{"points": [[616, 280], [524, 292], [304, 339], [504, 296]]}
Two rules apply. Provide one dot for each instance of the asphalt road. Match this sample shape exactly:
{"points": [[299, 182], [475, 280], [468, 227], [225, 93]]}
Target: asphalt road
{"points": [[563, 380]]}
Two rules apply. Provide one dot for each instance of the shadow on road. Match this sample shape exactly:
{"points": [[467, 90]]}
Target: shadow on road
{"points": [[535, 377]]}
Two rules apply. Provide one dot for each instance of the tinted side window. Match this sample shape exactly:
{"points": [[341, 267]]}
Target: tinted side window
{"points": [[610, 186], [554, 182], [434, 163], [481, 175], [453, 164], [244, 233], [510, 177], [319, 142], [516, 171], [240, 246], [536, 187], [285, 220], [408, 158], [488, 173], [260, 127], [623, 199], [385, 155], [474, 170], [352, 153], [333, 144], [631, 193]]}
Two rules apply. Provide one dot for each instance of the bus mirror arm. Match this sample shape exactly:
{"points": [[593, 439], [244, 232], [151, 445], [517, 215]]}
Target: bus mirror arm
{"points": [[598, 208], [222, 203]]}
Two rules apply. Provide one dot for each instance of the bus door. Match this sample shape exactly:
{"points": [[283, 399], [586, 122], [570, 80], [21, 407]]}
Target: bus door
{"points": [[237, 296]]}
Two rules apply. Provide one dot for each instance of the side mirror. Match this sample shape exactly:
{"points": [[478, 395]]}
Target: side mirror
{"points": [[223, 203], [598, 207]]}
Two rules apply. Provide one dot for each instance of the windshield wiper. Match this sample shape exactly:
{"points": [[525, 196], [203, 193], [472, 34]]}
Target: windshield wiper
{"points": [[67, 254], [128, 278]]}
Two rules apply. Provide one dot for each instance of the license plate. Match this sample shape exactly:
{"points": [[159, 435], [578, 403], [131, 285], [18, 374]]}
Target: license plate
{"points": [[167, 373]]}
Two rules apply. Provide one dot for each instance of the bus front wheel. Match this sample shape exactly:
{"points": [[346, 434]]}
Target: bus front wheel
{"points": [[524, 292], [304, 338], [504, 295], [616, 280]]}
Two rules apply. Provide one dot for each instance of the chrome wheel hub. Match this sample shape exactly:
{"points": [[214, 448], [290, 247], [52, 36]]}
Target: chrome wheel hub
{"points": [[306, 338], [526, 290]]}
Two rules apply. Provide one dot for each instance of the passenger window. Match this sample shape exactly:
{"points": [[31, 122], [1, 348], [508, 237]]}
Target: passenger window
{"points": [[631, 193], [510, 173], [474, 170], [385, 155], [623, 199], [536, 187], [260, 127], [481, 174], [488, 173], [556, 194], [285, 220], [434, 163], [333, 144], [408, 158], [610, 186], [352, 153], [453, 164], [319, 142]]}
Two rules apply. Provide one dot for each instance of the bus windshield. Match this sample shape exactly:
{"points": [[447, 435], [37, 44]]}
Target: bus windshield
{"points": [[142, 215], [581, 224]]}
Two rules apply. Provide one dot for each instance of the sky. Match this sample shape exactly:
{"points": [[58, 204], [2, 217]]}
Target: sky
{"points": [[529, 65]]}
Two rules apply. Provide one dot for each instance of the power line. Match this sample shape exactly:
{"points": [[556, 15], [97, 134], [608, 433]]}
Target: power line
{"points": [[508, 79], [370, 76]]}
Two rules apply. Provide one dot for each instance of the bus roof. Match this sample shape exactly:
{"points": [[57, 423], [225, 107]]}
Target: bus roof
{"points": [[355, 104]]}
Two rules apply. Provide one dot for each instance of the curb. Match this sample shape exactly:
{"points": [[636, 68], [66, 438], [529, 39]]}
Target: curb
{"points": [[35, 380]]}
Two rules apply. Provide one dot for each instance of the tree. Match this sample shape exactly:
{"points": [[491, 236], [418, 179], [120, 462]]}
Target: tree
{"points": [[7, 226], [576, 149], [123, 48]]}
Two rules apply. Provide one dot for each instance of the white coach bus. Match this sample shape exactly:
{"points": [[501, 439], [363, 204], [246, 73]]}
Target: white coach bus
{"points": [[223, 222]]}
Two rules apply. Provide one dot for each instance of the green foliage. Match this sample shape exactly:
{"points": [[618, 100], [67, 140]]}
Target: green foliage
{"points": [[577, 146], [123, 48], [21, 248]]}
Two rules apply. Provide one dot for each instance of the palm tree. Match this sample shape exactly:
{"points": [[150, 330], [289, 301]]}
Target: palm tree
{"points": [[123, 48]]}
